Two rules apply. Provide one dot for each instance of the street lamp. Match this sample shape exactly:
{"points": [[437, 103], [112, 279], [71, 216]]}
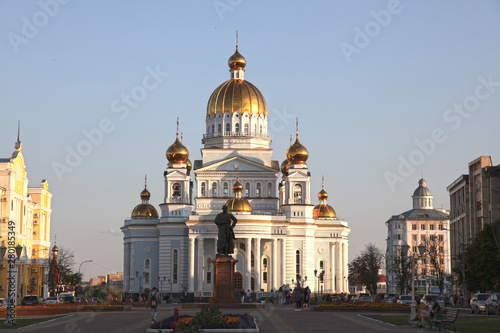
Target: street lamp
{"points": [[462, 261], [11, 293], [79, 270], [319, 277], [161, 280], [405, 249], [140, 277]]}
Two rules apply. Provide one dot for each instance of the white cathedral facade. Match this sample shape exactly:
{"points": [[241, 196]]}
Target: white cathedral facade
{"points": [[281, 234]]}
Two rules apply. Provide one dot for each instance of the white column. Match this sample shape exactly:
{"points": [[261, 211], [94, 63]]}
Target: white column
{"points": [[345, 287], [247, 278], [191, 265], [257, 263], [274, 261], [201, 262], [132, 266], [332, 267], [338, 267], [283, 261]]}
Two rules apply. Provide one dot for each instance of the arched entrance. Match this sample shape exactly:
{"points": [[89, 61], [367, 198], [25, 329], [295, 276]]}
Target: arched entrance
{"points": [[238, 282]]}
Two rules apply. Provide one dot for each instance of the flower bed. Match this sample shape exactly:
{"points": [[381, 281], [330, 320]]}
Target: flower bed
{"points": [[209, 319], [365, 307], [49, 310]]}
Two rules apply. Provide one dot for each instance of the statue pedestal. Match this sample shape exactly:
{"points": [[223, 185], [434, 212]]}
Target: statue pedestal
{"points": [[224, 279]]}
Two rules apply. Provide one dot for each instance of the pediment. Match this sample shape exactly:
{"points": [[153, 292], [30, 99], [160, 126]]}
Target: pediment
{"points": [[237, 163], [297, 174]]}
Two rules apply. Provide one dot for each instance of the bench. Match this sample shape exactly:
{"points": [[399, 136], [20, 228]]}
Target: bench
{"points": [[443, 320]]}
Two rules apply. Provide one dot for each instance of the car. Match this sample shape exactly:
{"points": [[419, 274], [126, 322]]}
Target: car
{"points": [[362, 298], [32, 300], [493, 304], [391, 298], [68, 299], [478, 302], [53, 300], [3, 302], [404, 300]]}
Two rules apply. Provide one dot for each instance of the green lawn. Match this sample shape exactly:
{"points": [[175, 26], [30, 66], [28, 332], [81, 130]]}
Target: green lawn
{"points": [[464, 324], [23, 322]]}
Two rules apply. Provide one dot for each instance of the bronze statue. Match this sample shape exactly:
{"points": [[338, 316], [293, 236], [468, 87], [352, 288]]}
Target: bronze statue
{"points": [[225, 241]]}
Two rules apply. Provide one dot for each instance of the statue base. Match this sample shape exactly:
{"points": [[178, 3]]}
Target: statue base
{"points": [[224, 279]]}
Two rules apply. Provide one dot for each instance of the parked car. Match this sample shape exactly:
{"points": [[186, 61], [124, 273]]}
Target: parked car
{"points": [[435, 297], [32, 300], [53, 300], [404, 300], [68, 299], [391, 298], [493, 304], [3, 302], [362, 298], [478, 302]]}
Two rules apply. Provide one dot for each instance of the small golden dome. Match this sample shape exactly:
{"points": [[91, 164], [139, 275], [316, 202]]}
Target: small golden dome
{"points": [[145, 195], [237, 187], [322, 195], [237, 96], [55, 248], [144, 210], [237, 61], [189, 165], [238, 204], [284, 166], [324, 210], [297, 153], [177, 153]]}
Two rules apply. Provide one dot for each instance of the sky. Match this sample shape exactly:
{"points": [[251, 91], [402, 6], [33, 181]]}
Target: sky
{"points": [[385, 92]]}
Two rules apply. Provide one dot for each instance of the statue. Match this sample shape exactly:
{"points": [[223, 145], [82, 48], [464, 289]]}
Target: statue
{"points": [[225, 241]]}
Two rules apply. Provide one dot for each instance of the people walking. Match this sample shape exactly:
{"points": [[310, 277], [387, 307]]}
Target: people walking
{"points": [[298, 296], [153, 301]]}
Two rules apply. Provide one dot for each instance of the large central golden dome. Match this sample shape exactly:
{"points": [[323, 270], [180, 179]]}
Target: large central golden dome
{"points": [[237, 94]]}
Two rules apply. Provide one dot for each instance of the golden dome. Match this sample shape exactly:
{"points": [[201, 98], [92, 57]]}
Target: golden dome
{"points": [[284, 166], [55, 248], [189, 165], [237, 96], [237, 187], [322, 195], [144, 210], [145, 195], [324, 210], [297, 153], [177, 153], [238, 204], [237, 61]]}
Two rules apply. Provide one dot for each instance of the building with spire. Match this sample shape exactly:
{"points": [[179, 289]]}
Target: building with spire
{"points": [[282, 236], [29, 209], [424, 225]]}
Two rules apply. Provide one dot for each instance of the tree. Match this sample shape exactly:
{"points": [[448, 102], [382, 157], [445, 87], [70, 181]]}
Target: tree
{"points": [[483, 260], [63, 275], [364, 268], [435, 259], [402, 271]]}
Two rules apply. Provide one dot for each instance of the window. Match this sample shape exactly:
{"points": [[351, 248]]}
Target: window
{"points": [[422, 226], [213, 128], [176, 190], [203, 189], [297, 262], [414, 238], [146, 264], [264, 277], [440, 237], [209, 277], [245, 128], [321, 265], [228, 127], [414, 249], [175, 266], [422, 238], [441, 261], [242, 246], [269, 190], [399, 237], [297, 193], [441, 249], [252, 260], [264, 262], [226, 190], [237, 128], [432, 238], [441, 227], [257, 190], [146, 277], [219, 128], [413, 227], [214, 189], [431, 227], [247, 189], [238, 281]]}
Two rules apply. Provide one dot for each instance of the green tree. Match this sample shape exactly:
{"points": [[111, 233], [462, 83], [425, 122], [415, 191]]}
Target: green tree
{"points": [[402, 271], [364, 268], [483, 261]]}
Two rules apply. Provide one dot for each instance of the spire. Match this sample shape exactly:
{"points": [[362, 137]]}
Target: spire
{"points": [[182, 139], [291, 139], [323, 182], [18, 144], [297, 127], [236, 39], [177, 133], [145, 181]]}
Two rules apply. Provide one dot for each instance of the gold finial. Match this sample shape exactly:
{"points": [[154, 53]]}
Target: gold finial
{"points": [[145, 181], [290, 139], [182, 138], [297, 127], [323, 182], [236, 38]]}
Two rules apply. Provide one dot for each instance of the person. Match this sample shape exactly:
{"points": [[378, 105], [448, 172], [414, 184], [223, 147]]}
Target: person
{"points": [[307, 295], [281, 296], [298, 296], [428, 312], [153, 301], [249, 294], [225, 240], [242, 295]]}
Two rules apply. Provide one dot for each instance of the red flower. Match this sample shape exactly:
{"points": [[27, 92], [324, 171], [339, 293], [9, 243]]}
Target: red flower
{"points": [[176, 312]]}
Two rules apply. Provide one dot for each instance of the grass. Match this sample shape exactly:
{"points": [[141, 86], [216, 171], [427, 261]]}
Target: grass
{"points": [[23, 322], [464, 324]]}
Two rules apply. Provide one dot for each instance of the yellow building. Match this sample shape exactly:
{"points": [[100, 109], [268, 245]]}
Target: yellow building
{"points": [[29, 209]]}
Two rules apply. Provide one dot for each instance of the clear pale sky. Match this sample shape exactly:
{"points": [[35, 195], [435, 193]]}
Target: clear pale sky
{"points": [[385, 92]]}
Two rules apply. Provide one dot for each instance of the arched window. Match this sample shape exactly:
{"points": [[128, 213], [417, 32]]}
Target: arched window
{"points": [[146, 278], [247, 189], [225, 189], [203, 189], [214, 189], [175, 266], [237, 128], [297, 193], [176, 190], [261, 128], [213, 128], [245, 128], [258, 190], [252, 260], [228, 127], [219, 128], [297, 262], [146, 264], [269, 190], [321, 265], [238, 281]]}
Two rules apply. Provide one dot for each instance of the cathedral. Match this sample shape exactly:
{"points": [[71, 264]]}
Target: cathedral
{"points": [[281, 235]]}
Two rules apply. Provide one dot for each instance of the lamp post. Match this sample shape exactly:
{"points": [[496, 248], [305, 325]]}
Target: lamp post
{"points": [[318, 277], [170, 282], [12, 280], [161, 280], [405, 249], [462, 258], [140, 277], [80, 268]]}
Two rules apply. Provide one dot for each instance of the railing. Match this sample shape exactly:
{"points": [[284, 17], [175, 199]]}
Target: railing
{"points": [[221, 134]]}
